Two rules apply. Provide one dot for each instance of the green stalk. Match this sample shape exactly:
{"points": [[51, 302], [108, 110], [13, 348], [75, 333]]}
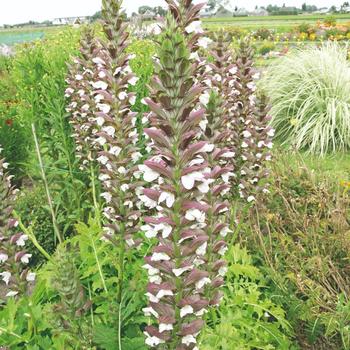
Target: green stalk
{"points": [[54, 220], [29, 232], [94, 197]]}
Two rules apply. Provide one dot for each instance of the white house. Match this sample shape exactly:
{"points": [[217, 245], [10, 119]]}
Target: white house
{"points": [[70, 20]]}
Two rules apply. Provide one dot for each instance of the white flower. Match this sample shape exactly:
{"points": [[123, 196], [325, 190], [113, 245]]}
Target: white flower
{"points": [[103, 160], [251, 86], [149, 311], [251, 199], [109, 130], [165, 327], [104, 108], [115, 150], [102, 75], [202, 249], [189, 180], [153, 341], [98, 60], [122, 95], [79, 77], [160, 257], [163, 293], [201, 283], [148, 202], [203, 124], [194, 27], [223, 271], [225, 231], [204, 99], [247, 134], [228, 155], [194, 56], [186, 310], [117, 71], [188, 340], [180, 271], [226, 177], [271, 133], [149, 174], [154, 28], [100, 121], [195, 215], [22, 241], [31, 277], [133, 81], [124, 187], [11, 293], [136, 156], [151, 270], [223, 250], [207, 148], [244, 144], [100, 85], [233, 70], [3, 258], [107, 196], [101, 141], [25, 258], [6, 276], [168, 197], [122, 170], [204, 42], [132, 100]]}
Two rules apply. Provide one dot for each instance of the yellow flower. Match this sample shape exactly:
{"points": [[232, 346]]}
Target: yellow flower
{"points": [[294, 122]]}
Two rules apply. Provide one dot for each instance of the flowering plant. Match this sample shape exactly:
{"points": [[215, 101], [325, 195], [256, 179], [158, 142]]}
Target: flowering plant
{"points": [[14, 273]]}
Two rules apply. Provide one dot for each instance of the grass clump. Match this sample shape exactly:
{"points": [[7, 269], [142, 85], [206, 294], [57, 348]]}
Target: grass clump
{"points": [[309, 92]]}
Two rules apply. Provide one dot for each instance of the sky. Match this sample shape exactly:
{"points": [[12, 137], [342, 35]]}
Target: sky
{"points": [[18, 11]]}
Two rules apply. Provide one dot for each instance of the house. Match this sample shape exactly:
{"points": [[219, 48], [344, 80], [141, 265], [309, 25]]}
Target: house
{"points": [[259, 12], [223, 12], [148, 15], [63, 21], [241, 12]]}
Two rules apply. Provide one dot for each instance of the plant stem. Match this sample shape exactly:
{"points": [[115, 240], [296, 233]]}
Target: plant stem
{"points": [[94, 197], [29, 232], [54, 220]]}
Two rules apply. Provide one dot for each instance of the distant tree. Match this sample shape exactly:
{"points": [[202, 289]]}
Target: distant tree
{"points": [[95, 17], [213, 4], [144, 9], [333, 9], [159, 10], [304, 7]]}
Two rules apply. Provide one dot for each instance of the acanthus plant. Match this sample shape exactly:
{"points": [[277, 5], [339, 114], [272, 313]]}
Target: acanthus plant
{"points": [[15, 276], [186, 180], [82, 106], [247, 119]]}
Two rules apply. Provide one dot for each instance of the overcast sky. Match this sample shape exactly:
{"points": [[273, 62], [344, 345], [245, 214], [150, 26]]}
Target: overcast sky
{"points": [[17, 11]]}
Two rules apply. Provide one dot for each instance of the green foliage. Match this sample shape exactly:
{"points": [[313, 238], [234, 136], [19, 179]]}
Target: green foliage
{"points": [[330, 21], [310, 99], [266, 47], [31, 206], [248, 318], [302, 235]]}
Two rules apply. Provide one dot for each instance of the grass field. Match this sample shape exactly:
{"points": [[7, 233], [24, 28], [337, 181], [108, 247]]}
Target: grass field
{"points": [[279, 23]]}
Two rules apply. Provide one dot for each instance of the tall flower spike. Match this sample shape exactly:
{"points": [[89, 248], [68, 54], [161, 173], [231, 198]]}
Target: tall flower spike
{"points": [[176, 173], [218, 173], [82, 105], [14, 273], [117, 132], [253, 135]]}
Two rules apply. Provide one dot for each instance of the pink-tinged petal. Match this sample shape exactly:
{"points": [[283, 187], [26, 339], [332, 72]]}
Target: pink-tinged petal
{"points": [[195, 276], [191, 328], [159, 168]]}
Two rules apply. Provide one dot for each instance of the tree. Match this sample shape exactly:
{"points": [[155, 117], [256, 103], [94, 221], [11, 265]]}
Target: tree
{"points": [[304, 7], [96, 16], [159, 10], [144, 9]]}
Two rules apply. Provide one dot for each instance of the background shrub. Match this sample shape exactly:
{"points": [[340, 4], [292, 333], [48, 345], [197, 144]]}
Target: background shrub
{"points": [[310, 98]]}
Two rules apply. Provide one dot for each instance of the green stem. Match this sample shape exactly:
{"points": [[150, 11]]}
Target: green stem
{"points": [[54, 220], [94, 197], [29, 232]]}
